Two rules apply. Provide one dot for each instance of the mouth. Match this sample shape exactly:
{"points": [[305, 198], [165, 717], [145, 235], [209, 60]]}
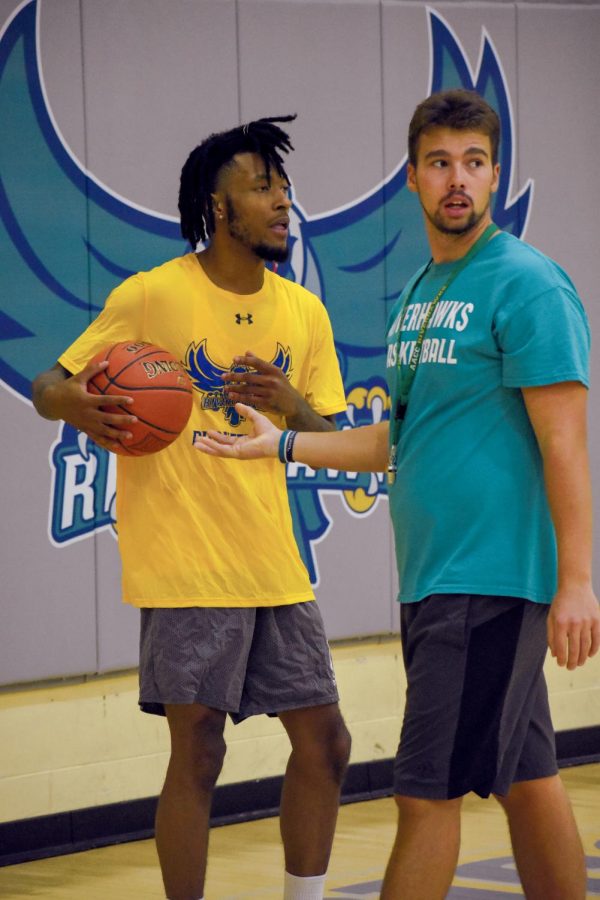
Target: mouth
{"points": [[280, 226], [456, 205]]}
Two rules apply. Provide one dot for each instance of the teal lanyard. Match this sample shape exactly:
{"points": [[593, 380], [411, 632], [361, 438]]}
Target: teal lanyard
{"points": [[411, 370]]}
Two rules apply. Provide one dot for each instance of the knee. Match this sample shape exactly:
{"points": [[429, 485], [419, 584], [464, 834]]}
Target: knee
{"points": [[339, 747], [198, 751], [327, 751], [528, 795]]}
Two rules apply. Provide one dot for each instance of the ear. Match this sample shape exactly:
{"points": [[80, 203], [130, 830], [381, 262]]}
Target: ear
{"points": [[218, 206], [411, 178], [496, 180]]}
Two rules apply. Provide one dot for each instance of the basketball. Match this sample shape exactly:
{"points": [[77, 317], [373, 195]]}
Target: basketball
{"points": [[159, 386]]}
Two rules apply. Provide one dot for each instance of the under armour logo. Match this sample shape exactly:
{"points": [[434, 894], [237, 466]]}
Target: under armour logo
{"points": [[239, 318]]}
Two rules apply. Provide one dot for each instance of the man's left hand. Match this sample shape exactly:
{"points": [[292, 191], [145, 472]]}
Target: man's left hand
{"points": [[574, 626], [265, 387]]}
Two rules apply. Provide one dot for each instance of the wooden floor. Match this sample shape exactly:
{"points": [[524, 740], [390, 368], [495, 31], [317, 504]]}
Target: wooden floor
{"points": [[246, 861]]}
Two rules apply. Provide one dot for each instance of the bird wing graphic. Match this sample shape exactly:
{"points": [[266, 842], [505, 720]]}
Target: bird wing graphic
{"points": [[65, 240], [283, 359], [205, 374]]}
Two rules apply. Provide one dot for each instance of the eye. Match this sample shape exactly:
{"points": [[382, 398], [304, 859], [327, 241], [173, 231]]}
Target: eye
{"points": [[476, 163], [440, 163]]}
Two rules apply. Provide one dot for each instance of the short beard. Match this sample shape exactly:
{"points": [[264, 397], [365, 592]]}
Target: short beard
{"points": [[239, 233], [271, 254], [471, 223]]}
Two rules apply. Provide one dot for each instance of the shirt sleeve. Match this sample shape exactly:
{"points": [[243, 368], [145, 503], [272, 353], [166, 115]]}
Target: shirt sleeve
{"points": [[544, 340], [120, 320], [325, 390]]}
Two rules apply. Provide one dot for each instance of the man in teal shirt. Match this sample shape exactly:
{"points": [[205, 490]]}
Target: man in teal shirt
{"points": [[490, 498]]}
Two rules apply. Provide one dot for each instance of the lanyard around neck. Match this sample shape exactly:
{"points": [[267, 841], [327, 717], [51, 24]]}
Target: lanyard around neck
{"points": [[411, 370]]}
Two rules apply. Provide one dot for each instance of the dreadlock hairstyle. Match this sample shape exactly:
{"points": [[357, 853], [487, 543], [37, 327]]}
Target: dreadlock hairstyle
{"points": [[201, 170]]}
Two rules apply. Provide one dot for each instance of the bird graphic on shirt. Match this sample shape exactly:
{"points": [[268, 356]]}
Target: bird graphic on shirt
{"points": [[207, 377]]}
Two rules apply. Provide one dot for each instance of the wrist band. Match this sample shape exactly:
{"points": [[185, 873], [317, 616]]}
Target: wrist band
{"points": [[281, 450], [289, 446]]}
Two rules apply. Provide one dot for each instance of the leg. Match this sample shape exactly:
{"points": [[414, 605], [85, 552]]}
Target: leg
{"points": [[545, 841], [425, 852], [311, 789], [182, 818]]}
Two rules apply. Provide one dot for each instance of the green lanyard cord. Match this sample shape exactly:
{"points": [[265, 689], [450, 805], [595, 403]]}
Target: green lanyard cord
{"points": [[411, 371]]}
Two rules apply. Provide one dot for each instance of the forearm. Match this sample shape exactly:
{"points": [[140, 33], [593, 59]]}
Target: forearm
{"points": [[558, 415], [568, 488], [363, 449], [306, 419]]}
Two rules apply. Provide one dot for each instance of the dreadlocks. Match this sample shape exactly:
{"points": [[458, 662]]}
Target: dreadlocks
{"points": [[201, 169]]}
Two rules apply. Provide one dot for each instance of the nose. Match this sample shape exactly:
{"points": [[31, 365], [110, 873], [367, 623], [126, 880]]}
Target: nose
{"points": [[283, 199], [456, 180]]}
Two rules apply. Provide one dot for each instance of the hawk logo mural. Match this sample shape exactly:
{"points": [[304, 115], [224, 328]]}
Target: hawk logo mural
{"points": [[57, 269]]}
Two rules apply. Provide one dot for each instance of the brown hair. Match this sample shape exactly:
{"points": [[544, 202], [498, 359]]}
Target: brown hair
{"points": [[459, 109]]}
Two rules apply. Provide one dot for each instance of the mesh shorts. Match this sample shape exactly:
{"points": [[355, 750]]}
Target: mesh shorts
{"points": [[242, 661], [477, 716]]}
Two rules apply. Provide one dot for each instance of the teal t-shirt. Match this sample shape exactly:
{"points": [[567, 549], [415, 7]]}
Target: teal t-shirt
{"points": [[468, 504]]}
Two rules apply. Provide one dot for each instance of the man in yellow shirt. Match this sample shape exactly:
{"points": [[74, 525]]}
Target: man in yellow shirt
{"points": [[228, 618]]}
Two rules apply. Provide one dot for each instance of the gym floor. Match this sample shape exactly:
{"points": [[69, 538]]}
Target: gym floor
{"points": [[245, 860]]}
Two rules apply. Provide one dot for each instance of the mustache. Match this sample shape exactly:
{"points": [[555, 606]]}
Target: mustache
{"points": [[453, 195]]}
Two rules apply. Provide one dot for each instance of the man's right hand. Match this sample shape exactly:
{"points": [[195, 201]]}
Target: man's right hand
{"points": [[262, 440], [59, 395]]}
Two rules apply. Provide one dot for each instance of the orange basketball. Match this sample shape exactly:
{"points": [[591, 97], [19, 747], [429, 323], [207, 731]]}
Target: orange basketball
{"points": [[159, 386]]}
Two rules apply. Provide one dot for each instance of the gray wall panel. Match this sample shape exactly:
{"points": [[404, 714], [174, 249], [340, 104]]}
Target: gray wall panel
{"points": [[158, 78], [405, 74], [7, 8], [62, 67], [323, 62], [117, 622], [357, 585], [47, 594]]}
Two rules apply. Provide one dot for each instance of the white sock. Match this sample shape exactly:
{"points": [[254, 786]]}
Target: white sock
{"points": [[311, 888]]}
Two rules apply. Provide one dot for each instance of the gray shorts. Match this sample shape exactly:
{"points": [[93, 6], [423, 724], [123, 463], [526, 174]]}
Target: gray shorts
{"points": [[477, 716], [242, 661]]}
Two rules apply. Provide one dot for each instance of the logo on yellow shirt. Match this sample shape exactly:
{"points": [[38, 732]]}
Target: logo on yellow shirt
{"points": [[207, 377]]}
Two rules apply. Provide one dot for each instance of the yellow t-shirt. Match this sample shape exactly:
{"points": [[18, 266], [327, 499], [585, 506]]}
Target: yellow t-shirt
{"points": [[194, 530]]}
